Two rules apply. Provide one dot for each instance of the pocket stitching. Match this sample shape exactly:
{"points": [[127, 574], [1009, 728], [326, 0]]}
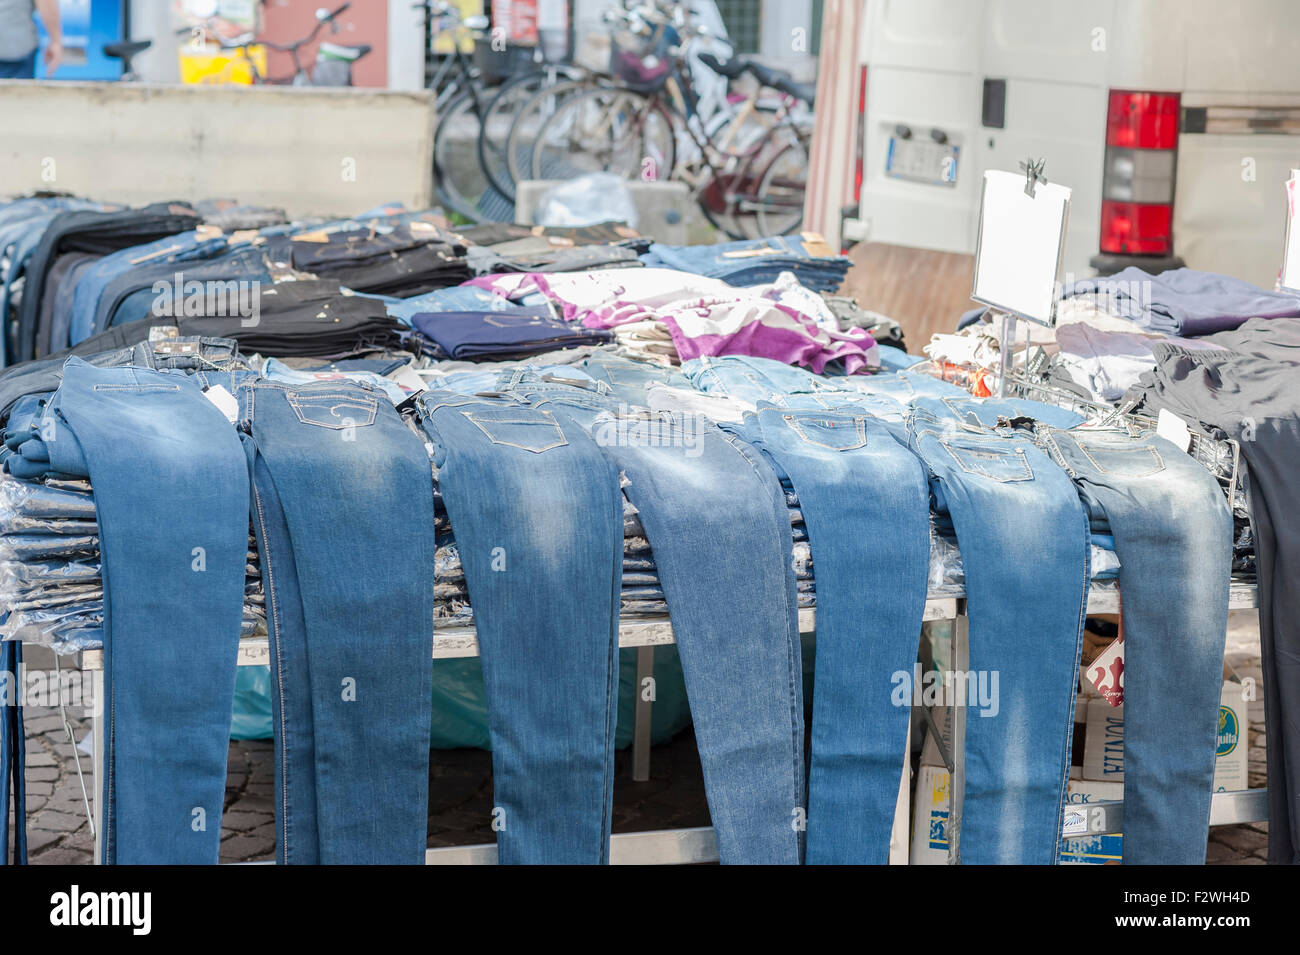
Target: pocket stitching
{"points": [[859, 422], [1019, 452], [550, 419], [1154, 452]]}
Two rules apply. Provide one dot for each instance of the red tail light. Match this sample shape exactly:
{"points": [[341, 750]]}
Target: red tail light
{"points": [[1129, 228], [1142, 120], [1137, 208]]}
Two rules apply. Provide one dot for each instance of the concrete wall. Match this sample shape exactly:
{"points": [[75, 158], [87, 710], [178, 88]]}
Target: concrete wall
{"points": [[311, 151]]}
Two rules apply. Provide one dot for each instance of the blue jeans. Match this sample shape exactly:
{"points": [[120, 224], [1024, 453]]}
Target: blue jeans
{"points": [[754, 379], [171, 495], [717, 522], [865, 500], [985, 412], [629, 379], [538, 519], [342, 502], [1173, 536], [20, 69], [1025, 548]]}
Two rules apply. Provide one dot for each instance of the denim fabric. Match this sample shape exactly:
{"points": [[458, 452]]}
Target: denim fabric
{"points": [[171, 496], [538, 518], [23, 68], [478, 335], [91, 285], [130, 297], [865, 500], [630, 379], [1025, 550], [342, 499], [752, 262], [717, 521], [904, 386], [753, 379], [985, 412], [1173, 535]]}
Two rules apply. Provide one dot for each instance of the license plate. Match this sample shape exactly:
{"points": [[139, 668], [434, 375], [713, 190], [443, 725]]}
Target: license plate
{"points": [[921, 160]]}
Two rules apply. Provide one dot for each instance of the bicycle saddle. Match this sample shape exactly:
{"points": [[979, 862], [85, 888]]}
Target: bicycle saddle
{"points": [[127, 48], [345, 52], [731, 69], [782, 81]]}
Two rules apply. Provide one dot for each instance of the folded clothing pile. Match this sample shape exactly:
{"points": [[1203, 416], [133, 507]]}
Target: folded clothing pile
{"points": [[51, 579], [1183, 301], [484, 334], [757, 261], [68, 244], [401, 260]]}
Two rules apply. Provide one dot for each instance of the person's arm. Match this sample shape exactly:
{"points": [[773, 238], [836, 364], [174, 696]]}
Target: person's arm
{"points": [[48, 10]]}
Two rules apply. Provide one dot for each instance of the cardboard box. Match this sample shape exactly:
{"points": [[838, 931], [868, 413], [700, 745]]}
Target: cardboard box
{"points": [[1103, 754], [1091, 850], [930, 817]]}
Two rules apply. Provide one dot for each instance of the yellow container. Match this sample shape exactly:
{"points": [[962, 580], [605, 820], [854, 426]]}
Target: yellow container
{"points": [[213, 65]]}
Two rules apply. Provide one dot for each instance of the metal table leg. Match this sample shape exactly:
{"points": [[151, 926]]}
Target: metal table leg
{"points": [[645, 670], [957, 782]]}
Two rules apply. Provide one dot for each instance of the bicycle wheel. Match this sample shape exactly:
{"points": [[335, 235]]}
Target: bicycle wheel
{"points": [[529, 120], [458, 177], [778, 200], [606, 130], [500, 117]]}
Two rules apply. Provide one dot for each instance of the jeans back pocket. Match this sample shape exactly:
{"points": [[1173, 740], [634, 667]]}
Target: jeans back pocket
{"points": [[527, 429], [997, 464], [843, 432], [1136, 461], [334, 410]]}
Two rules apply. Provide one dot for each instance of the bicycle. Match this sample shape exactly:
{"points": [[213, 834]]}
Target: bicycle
{"points": [[747, 170], [460, 182], [333, 66]]}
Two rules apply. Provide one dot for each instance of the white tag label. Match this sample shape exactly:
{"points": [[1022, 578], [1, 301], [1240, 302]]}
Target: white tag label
{"points": [[226, 403], [1173, 429], [407, 380], [1076, 822]]}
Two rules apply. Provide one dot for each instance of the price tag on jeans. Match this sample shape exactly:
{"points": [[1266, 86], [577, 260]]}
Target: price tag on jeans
{"points": [[226, 403], [1173, 429]]}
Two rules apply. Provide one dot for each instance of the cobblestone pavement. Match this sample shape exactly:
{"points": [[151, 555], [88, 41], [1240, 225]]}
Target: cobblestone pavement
{"points": [[461, 788]]}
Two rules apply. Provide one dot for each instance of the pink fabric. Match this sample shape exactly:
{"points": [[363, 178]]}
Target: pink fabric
{"points": [[782, 321]]}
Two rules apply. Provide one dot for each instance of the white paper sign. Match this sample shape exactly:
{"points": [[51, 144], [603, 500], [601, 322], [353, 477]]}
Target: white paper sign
{"points": [[1021, 240]]}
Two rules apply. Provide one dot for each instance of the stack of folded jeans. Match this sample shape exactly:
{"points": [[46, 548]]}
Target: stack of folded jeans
{"points": [[756, 261], [81, 234], [404, 260], [51, 576], [485, 334]]}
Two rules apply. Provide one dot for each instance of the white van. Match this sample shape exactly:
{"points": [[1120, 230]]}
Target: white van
{"points": [[1175, 122]]}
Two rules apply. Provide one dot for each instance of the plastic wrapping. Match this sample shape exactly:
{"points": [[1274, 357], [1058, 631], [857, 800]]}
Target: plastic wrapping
{"points": [[588, 200], [47, 547], [21, 499]]}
